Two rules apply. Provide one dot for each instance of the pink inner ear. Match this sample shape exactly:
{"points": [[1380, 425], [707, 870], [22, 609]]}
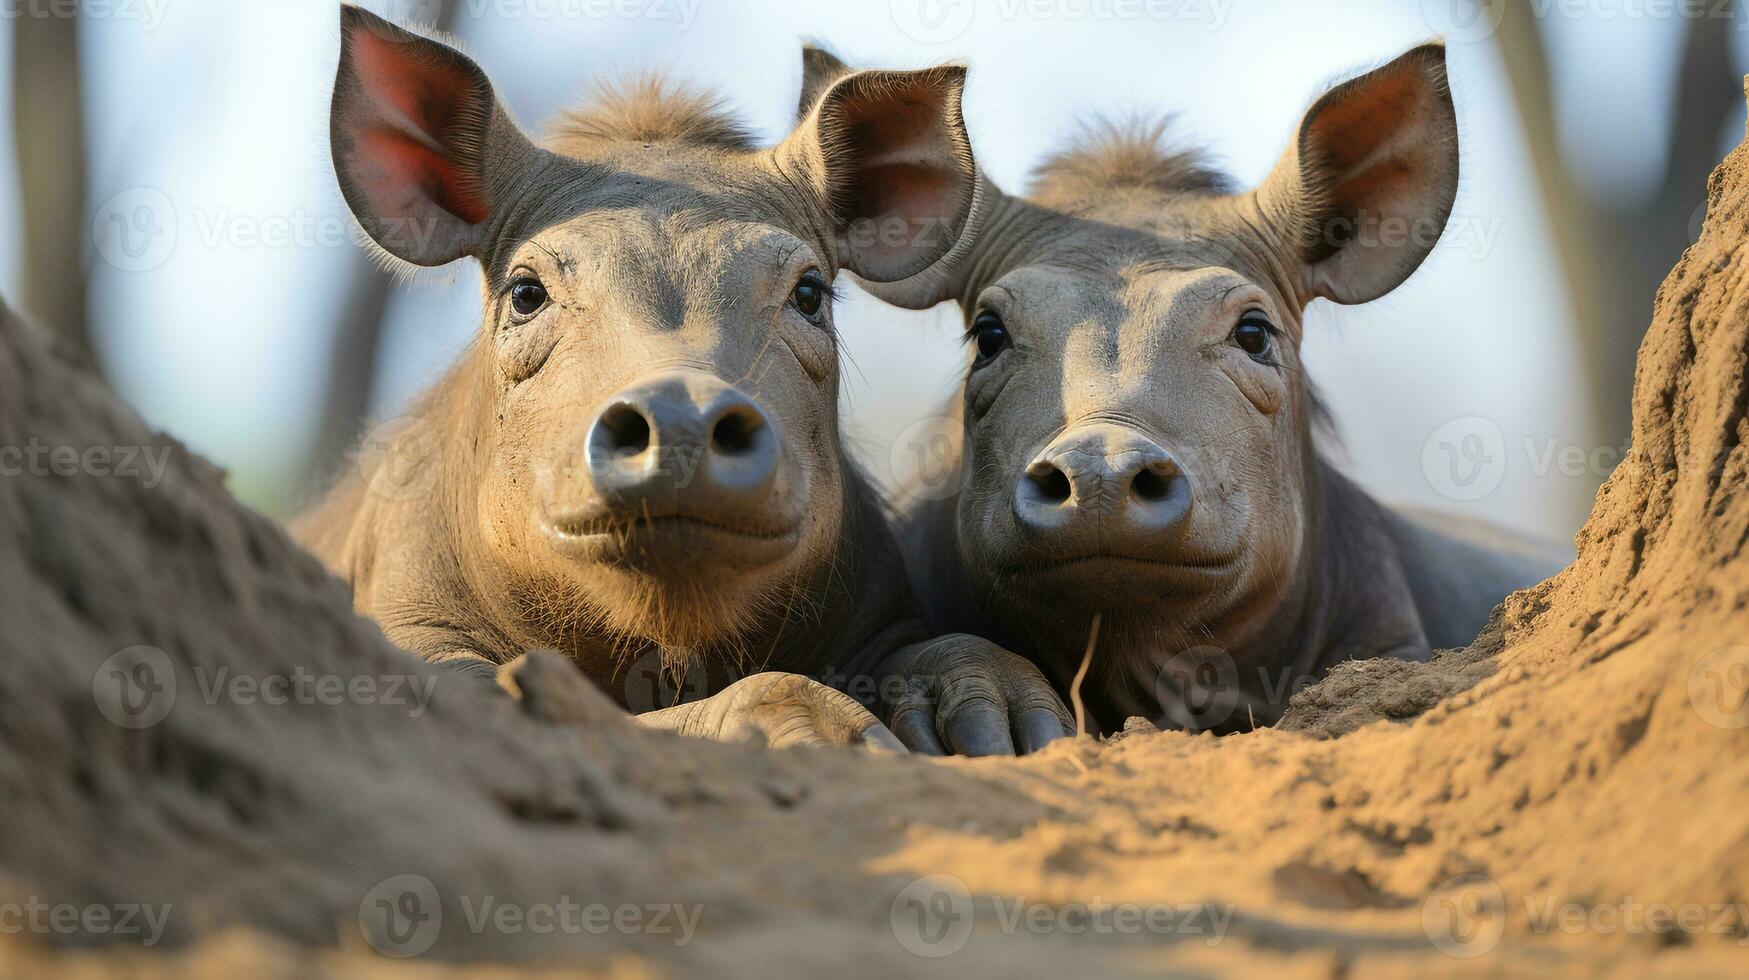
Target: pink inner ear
{"points": [[1353, 129], [417, 107], [1369, 141], [1388, 181], [403, 175], [913, 192]]}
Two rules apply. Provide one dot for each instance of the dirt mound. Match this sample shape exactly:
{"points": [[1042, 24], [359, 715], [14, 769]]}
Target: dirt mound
{"points": [[196, 733]]}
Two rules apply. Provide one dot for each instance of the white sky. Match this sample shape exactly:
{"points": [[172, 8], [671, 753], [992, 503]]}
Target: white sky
{"points": [[220, 107]]}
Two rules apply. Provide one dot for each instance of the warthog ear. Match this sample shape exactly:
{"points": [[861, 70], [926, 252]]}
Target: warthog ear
{"points": [[820, 68], [889, 155], [417, 137], [1366, 189]]}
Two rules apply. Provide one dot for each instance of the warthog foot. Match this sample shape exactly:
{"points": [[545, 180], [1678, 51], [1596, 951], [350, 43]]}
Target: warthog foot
{"points": [[779, 710], [966, 695]]}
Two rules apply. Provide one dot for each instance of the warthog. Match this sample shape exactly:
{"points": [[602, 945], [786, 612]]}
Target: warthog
{"points": [[1139, 457], [637, 463]]}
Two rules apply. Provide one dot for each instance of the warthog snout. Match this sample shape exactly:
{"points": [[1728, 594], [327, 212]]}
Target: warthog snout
{"points": [[680, 471], [686, 444], [1102, 487]]}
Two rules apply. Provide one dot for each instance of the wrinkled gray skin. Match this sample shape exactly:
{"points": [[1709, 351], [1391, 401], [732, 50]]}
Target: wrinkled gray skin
{"points": [[1132, 453], [637, 463]]}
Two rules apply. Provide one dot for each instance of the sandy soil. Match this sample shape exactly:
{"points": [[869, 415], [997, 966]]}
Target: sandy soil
{"points": [[1570, 794]]}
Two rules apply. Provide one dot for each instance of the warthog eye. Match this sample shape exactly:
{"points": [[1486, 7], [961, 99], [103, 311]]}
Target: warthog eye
{"points": [[1255, 335], [990, 335], [527, 296], [809, 296]]}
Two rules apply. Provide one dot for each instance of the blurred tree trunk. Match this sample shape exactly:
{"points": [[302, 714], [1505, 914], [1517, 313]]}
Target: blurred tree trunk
{"points": [[357, 340], [1614, 255], [49, 133]]}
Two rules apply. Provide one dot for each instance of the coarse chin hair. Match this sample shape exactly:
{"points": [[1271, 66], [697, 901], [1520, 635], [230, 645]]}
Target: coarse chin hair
{"points": [[689, 620]]}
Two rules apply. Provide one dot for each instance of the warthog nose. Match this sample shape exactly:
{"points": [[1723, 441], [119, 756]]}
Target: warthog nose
{"points": [[621, 431], [684, 443], [1096, 483]]}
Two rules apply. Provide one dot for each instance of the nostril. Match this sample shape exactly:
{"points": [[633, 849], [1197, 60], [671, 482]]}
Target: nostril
{"points": [[624, 430], [735, 433], [1152, 485], [1052, 483]]}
